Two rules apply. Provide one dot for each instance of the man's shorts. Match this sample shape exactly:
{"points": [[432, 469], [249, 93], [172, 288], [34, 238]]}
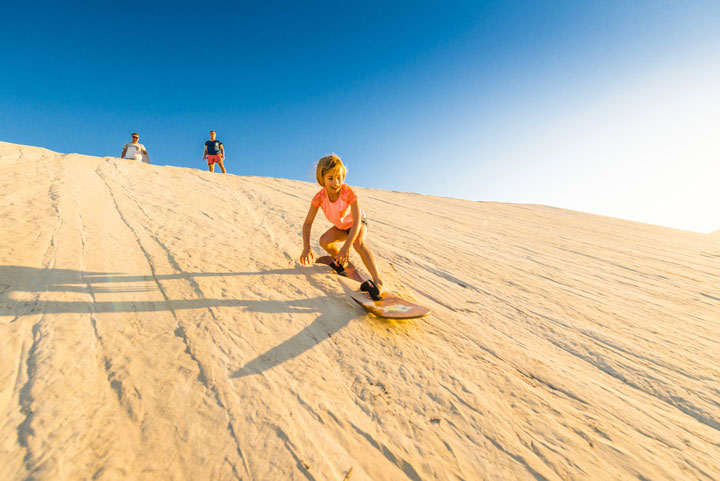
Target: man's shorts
{"points": [[213, 158]]}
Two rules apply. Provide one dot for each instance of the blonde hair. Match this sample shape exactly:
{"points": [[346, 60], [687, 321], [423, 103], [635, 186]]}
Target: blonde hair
{"points": [[327, 164]]}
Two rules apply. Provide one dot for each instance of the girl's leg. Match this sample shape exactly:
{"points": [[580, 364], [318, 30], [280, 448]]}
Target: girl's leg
{"points": [[222, 167], [367, 257], [329, 240]]}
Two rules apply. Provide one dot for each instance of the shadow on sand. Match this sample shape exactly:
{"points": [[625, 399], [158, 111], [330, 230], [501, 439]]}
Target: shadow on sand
{"points": [[329, 321]]}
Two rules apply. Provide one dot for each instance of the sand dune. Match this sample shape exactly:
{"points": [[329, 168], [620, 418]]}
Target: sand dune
{"points": [[155, 324]]}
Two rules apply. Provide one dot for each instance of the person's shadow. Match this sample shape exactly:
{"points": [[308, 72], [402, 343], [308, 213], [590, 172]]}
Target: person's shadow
{"points": [[331, 317], [327, 323]]}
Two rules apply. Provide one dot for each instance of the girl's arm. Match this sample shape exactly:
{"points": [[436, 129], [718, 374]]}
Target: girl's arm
{"points": [[343, 256], [205, 153], [307, 253]]}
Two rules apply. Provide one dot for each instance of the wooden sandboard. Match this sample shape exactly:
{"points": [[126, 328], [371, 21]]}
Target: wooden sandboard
{"points": [[390, 306]]}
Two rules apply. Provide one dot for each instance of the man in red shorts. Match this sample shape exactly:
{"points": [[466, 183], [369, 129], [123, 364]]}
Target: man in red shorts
{"points": [[214, 153]]}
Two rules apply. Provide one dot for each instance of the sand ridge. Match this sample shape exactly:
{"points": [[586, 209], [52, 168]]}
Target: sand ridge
{"points": [[157, 325]]}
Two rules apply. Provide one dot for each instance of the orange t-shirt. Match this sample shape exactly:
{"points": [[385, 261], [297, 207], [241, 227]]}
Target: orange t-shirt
{"points": [[338, 212]]}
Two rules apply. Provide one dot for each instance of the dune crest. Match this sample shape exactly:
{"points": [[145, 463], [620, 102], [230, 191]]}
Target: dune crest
{"points": [[155, 324]]}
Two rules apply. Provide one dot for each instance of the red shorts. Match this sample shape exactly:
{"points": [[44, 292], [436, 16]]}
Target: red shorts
{"points": [[213, 158]]}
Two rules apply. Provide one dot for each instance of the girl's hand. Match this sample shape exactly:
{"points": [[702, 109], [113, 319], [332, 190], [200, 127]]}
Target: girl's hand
{"points": [[343, 257], [307, 256]]}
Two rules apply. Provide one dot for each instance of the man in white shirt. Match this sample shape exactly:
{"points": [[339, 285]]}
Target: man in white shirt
{"points": [[135, 150]]}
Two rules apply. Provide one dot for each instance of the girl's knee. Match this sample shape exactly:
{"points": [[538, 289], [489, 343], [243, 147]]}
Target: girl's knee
{"points": [[326, 241], [359, 245]]}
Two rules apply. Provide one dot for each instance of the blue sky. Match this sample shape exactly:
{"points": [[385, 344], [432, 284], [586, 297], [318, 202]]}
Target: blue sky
{"points": [[604, 107]]}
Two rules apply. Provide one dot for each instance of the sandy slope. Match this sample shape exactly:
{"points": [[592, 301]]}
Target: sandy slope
{"points": [[156, 325]]}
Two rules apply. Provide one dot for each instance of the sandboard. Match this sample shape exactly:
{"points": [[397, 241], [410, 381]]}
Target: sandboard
{"points": [[391, 306], [145, 158]]}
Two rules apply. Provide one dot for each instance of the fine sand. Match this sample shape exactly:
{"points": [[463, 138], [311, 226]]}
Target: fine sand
{"points": [[156, 325]]}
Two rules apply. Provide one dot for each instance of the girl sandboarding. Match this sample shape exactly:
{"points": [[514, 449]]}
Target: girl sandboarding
{"points": [[341, 207]]}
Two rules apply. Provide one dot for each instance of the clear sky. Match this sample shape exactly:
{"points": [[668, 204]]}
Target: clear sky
{"points": [[610, 107]]}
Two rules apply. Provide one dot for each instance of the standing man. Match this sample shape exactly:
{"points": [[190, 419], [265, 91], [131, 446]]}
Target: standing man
{"points": [[135, 150], [214, 153]]}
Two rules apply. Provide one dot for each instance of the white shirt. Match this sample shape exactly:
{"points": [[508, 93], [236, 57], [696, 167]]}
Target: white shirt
{"points": [[134, 151]]}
